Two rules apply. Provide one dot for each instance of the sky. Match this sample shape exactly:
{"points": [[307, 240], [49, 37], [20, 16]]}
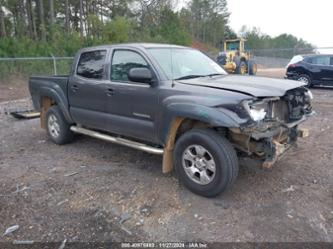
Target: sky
{"points": [[309, 20]]}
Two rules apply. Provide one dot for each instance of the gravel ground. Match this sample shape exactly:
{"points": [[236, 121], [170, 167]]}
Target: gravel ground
{"points": [[272, 72], [91, 190]]}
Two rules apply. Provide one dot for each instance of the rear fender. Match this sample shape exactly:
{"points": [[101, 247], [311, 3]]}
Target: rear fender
{"points": [[57, 97]]}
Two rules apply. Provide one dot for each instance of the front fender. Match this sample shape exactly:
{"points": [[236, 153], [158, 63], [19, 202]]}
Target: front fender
{"points": [[216, 117]]}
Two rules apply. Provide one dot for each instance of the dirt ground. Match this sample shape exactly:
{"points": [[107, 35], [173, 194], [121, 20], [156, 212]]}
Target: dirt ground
{"points": [[13, 88], [91, 190]]}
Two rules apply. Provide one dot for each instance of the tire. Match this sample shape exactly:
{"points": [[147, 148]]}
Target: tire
{"points": [[241, 68], [252, 68], [222, 59], [57, 128], [305, 79], [218, 149]]}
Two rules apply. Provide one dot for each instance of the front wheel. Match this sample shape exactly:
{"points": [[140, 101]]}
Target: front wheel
{"points": [[205, 162], [241, 68]]}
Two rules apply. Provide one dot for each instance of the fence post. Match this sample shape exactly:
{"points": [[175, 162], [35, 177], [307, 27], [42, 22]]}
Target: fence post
{"points": [[54, 64], [248, 64], [248, 67]]}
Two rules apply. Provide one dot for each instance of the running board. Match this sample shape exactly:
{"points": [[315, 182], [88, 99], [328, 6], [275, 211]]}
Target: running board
{"points": [[118, 140]]}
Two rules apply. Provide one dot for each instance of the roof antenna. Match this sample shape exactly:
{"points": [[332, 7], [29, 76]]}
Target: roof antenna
{"points": [[171, 58]]}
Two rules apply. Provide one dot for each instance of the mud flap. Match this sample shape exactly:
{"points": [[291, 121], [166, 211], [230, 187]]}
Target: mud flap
{"points": [[46, 104], [169, 146]]}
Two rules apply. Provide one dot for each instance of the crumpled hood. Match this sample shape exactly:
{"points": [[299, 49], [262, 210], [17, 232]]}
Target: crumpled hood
{"points": [[250, 85]]}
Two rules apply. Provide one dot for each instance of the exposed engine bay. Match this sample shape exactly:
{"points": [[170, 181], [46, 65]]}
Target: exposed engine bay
{"points": [[274, 125]]}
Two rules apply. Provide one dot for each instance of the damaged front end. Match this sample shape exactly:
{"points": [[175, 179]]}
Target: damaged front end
{"points": [[273, 125]]}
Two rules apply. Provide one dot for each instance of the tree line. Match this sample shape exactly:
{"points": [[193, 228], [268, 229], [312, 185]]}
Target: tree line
{"points": [[284, 45], [45, 27]]}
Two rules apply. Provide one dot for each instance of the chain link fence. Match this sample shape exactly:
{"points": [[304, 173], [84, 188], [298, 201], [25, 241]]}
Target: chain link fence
{"points": [[266, 59], [14, 75], [27, 66], [273, 62], [278, 58], [14, 72]]}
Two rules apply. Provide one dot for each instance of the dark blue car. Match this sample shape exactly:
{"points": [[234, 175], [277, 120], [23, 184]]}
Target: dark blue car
{"points": [[311, 69]]}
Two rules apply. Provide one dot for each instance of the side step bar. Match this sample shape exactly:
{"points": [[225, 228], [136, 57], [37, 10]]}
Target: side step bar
{"points": [[118, 140]]}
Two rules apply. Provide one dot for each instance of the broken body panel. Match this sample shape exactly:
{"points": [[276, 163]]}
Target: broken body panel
{"points": [[268, 138]]}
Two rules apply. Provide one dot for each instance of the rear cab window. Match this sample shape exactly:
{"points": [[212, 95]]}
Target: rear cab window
{"points": [[91, 64]]}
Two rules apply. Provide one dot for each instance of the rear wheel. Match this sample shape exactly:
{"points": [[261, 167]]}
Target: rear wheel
{"points": [[205, 162], [253, 68], [305, 79], [57, 128]]}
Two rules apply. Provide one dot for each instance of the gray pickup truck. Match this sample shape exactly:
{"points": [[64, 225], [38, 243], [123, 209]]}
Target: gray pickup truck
{"points": [[176, 102]]}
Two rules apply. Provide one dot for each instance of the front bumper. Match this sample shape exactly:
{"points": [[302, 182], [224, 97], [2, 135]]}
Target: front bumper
{"points": [[277, 149], [268, 145]]}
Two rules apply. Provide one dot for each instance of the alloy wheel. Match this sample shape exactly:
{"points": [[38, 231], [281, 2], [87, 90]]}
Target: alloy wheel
{"points": [[199, 164]]}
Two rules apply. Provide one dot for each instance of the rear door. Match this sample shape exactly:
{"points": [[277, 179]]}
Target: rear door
{"points": [[87, 90], [322, 70], [330, 72], [131, 106]]}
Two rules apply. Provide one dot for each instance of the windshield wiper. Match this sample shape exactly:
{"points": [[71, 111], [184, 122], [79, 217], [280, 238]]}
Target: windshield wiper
{"points": [[213, 74], [187, 77]]}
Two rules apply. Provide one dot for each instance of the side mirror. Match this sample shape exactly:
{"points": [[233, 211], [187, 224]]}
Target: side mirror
{"points": [[140, 74]]}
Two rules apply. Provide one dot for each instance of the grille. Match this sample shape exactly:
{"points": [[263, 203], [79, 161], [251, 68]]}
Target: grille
{"points": [[290, 108], [279, 110], [296, 102]]}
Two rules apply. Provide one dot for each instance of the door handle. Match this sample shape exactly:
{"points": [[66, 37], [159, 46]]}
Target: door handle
{"points": [[74, 88], [109, 92]]}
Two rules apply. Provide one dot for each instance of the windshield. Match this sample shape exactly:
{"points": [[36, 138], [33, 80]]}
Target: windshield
{"points": [[180, 63], [232, 46]]}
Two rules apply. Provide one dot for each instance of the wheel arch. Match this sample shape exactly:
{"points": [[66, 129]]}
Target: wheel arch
{"points": [[179, 125], [50, 97]]}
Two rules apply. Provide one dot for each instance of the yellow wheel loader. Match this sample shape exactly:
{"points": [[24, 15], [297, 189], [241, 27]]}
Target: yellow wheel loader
{"points": [[235, 59]]}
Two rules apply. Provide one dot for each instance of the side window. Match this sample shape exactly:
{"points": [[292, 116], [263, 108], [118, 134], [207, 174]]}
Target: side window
{"points": [[321, 60], [309, 60], [91, 64], [331, 61], [123, 61]]}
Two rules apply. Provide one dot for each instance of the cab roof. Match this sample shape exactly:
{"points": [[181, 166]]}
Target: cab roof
{"points": [[236, 40], [133, 45], [314, 55]]}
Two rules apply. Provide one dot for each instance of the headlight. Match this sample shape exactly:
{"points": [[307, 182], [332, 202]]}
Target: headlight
{"points": [[309, 95], [258, 115], [308, 99], [257, 111]]}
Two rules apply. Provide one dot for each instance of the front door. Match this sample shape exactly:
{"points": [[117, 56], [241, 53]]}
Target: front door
{"points": [[131, 106]]}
